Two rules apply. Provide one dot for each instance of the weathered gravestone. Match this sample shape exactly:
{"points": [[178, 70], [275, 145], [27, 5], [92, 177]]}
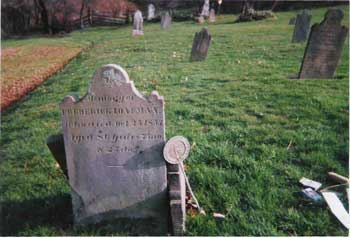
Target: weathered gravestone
{"points": [[201, 20], [302, 27], [201, 43], [113, 139], [165, 20], [137, 29], [205, 9], [212, 15], [292, 21], [324, 47], [151, 12]]}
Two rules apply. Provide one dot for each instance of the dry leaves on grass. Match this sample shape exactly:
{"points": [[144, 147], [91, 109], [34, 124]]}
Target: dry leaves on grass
{"points": [[26, 67]]}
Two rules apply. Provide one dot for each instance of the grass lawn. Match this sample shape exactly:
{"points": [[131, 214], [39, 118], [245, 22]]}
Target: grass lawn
{"points": [[237, 108]]}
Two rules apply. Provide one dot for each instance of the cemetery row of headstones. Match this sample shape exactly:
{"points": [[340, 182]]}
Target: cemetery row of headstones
{"points": [[113, 137], [324, 46]]}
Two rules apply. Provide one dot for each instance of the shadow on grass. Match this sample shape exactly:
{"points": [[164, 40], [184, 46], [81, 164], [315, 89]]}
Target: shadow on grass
{"points": [[27, 217]]}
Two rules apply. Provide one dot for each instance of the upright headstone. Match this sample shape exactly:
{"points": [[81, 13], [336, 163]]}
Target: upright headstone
{"points": [[324, 47], [114, 137], [201, 20], [205, 9], [151, 12], [212, 15], [165, 20], [201, 43], [302, 27], [292, 21], [137, 29]]}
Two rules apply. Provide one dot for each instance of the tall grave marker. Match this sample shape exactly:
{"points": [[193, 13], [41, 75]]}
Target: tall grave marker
{"points": [[324, 47], [201, 43], [165, 20], [113, 139], [137, 29], [302, 27]]}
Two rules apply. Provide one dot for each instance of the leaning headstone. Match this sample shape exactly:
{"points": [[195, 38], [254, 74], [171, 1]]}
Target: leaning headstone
{"points": [[137, 29], [212, 15], [201, 43], [324, 47], [113, 138], [205, 9], [165, 21], [302, 27], [151, 12], [292, 21]]}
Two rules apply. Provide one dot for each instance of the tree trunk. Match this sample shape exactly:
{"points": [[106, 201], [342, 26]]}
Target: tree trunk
{"points": [[81, 14], [44, 16]]}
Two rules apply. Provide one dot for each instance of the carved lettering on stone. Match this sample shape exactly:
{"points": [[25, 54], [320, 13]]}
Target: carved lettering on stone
{"points": [[113, 139]]}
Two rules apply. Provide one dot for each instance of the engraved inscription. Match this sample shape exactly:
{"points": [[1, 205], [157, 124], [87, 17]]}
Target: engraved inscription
{"points": [[113, 139]]}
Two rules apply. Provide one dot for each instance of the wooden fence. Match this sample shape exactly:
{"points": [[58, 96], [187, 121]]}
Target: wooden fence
{"points": [[99, 19]]}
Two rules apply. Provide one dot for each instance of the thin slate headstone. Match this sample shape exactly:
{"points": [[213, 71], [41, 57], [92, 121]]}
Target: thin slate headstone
{"points": [[205, 9], [137, 29], [201, 43], [212, 15], [165, 21], [151, 12], [292, 21], [324, 47], [114, 137], [302, 27]]}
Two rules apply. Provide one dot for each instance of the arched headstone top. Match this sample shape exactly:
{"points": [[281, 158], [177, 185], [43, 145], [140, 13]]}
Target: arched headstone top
{"points": [[334, 16], [113, 140]]}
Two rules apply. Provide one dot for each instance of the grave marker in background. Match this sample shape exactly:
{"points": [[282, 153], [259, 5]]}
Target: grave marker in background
{"points": [[113, 139], [292, 21], [302, 27], [137, 29], [324, 47], [201, 43], [165, 21], [151, 12], [212, 15]]}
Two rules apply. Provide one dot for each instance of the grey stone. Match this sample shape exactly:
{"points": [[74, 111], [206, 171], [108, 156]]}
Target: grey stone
{"points": [[292, 21], [137, 28], [212, 15], [205, 9], [177, 199], [113, 139], [201, 43], [165, 21], [324, 47], [302, 27], [201, 20], [56, 146], [151, 12]]}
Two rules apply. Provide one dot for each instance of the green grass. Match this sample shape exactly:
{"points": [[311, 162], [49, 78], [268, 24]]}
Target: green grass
{"points": [[237, 108]]}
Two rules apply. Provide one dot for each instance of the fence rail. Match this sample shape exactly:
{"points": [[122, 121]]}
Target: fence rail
{"points": [[98, 20]]}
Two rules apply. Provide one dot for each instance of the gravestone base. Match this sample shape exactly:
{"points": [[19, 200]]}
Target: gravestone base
{"points": [[176, 194]]}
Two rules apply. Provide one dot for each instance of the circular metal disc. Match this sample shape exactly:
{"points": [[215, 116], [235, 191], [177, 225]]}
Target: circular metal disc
{"points": [[176, 150]]}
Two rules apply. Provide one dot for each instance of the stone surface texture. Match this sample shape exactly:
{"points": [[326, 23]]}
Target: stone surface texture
{"points": [[165, 21], [201, 43], [177, 198], [212, 15], [114, 137], [302, 27], [137, 28], [205, 9], [292, 21], [324, 47], [151, 12]]}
